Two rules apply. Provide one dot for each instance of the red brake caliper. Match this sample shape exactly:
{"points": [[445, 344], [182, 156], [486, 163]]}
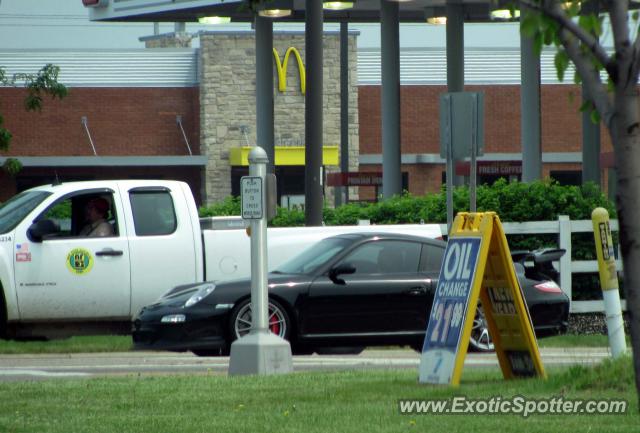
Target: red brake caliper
{"points": [[274, 326]]}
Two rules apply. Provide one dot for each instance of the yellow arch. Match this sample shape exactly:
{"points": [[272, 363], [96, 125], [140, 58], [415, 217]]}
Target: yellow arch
{"points": [[282, 69]]}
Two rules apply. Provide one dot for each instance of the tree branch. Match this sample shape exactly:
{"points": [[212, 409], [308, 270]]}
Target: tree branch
{"points": [[590, 76], [619, 16], [553, 10]]}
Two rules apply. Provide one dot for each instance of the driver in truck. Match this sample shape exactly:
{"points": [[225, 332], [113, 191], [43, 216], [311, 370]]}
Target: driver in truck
{"points": [[96, 216]]}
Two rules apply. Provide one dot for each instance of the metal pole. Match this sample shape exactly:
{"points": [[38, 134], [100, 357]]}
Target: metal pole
{"points": [[259, 264], [264, 88], [390, 105], [590, 130], [344, 110], [313, 113], [455, 57], [474, 153], [530, 111]]}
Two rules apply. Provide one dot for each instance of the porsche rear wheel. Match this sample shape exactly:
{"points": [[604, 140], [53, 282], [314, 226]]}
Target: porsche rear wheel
{"points": [[480, 339]]}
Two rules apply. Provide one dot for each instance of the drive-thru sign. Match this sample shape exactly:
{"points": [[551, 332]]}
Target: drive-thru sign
{"points": [[477, 266]]}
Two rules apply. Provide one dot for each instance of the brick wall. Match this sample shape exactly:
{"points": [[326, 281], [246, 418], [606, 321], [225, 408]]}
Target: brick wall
{"points": [[561, 120], [122, 122]]}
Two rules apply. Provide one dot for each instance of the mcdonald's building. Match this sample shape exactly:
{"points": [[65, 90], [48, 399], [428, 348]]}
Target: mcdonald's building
{"points": [[177, 112], [228, 110]]}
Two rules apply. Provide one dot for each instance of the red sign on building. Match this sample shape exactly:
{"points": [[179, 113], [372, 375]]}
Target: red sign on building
{"points": [[354, 179]]}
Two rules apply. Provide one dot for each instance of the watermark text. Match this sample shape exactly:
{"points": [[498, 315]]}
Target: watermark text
{"points": [[518, 405]]}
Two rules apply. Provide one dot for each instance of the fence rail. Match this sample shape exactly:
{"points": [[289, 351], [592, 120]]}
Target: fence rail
{"points": [[564, 228]]}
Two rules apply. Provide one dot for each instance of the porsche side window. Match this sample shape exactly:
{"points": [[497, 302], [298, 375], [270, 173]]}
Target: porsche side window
{"points": [[153, 213], [387, 257], [431, 258]]}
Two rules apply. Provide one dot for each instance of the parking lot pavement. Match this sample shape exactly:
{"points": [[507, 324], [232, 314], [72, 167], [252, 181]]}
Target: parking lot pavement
{"points": [[83, 365]]}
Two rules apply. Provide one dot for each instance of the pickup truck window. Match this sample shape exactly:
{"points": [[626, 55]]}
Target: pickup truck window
{"points": [[153, 212], [71, 215], [17, 207]]}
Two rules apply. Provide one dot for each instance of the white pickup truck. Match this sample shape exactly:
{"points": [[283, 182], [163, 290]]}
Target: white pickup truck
{"points": [[56, 282]]}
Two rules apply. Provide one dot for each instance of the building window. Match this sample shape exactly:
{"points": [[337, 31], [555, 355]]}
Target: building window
{"points": [[567, 177]]}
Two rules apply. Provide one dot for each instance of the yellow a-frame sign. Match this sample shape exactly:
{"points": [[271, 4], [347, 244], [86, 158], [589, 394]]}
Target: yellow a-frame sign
{"points": [[477, 265]]}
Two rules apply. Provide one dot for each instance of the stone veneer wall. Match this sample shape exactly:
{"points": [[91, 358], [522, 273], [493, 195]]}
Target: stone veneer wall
{"points": [[228, 101]]}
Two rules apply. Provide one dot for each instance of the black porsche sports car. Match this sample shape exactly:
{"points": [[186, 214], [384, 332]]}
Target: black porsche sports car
{"points": [[346, 291]]}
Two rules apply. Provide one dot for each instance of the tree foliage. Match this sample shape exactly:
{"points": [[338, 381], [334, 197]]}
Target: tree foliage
{"points": [[576, 29], [38, 85]]}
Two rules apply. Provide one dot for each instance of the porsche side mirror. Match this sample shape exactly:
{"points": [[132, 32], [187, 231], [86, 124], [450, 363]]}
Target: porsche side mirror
{"points": [[341, 269]]}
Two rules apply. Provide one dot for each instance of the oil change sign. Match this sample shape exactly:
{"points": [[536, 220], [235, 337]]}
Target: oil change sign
{"points": [[449, 309], [477, 266]]}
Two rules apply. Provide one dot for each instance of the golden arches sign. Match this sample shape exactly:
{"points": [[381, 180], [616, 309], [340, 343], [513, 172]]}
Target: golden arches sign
{"points": [[282, 69]]}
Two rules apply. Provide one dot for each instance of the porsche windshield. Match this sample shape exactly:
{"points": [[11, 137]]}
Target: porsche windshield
{"points": [[19, 206], [314, 257]]}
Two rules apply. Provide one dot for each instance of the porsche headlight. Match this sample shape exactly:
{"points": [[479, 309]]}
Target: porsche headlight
{"points": [[203, 291]]}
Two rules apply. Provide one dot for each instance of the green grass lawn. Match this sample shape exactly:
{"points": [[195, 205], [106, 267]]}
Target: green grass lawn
{"points": [[103, 343], [122, 343], [355, 401], [575, 340]]}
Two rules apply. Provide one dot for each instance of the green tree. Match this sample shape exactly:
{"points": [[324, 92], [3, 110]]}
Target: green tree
{"points": [[38, 85], [575, 31]]}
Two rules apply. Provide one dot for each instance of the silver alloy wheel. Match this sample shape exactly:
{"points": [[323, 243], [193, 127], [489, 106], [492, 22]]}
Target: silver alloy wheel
{"points": [[277, 321], [480, 339]]}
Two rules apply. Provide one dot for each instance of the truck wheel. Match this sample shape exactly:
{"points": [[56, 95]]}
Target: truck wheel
{"points": [[240, 323]]}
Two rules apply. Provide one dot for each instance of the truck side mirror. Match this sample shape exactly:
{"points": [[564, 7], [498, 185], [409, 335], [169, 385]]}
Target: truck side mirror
{"points": [[341, 269], [39, 229]]}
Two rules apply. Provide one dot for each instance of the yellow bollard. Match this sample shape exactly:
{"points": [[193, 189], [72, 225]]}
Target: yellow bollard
{"points": [[609, 281]]}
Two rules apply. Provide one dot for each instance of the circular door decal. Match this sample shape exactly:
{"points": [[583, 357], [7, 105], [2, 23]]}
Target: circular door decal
{"points": [[79, 261]]}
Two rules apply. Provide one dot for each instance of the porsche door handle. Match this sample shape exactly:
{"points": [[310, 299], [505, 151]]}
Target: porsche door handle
{"points": [[109, 252]]}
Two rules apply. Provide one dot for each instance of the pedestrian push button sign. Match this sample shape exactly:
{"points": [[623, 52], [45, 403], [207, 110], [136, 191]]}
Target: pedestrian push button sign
{"points": [[477, 266], [252, 205]]}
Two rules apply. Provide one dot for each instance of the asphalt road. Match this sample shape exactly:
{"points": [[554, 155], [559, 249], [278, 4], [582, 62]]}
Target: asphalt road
{"points": [[64, 366]]}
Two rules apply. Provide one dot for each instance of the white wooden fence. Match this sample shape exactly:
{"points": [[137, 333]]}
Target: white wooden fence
{"points": [[563, 228]]}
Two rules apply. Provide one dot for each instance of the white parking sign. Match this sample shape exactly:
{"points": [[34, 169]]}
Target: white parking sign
{"points": [[252, 206]]}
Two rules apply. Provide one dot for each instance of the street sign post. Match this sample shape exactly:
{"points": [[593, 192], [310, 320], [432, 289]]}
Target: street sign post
{"points": [[260, 351], [477, 266]]}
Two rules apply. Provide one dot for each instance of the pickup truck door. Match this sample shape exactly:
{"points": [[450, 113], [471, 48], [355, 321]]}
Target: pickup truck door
{"points": [[69, 276], [165, 247]]}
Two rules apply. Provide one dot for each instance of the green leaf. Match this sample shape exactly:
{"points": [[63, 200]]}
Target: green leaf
{"points": [[595, 116], [12, 166], [577, 79], [562, 63], [530, 24], [635, 15], [574, 8], [611, 86], [538, 43], [586, 105], [5, 138]]}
